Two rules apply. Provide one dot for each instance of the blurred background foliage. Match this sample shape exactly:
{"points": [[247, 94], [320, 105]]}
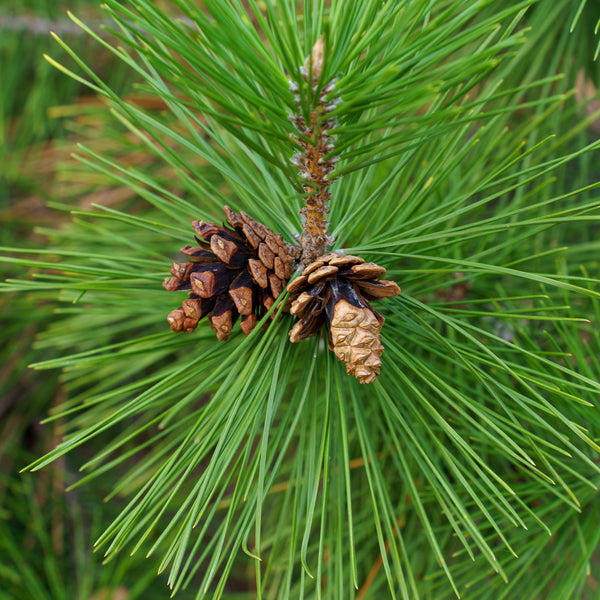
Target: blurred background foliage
{"points": [[45, 532]]}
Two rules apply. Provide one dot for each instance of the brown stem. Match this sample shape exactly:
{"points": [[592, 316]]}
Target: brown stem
{"points": [[316, 142]]}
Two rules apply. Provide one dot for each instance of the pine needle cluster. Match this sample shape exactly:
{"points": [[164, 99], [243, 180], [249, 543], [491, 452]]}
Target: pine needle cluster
{"points": [[464, 166]]}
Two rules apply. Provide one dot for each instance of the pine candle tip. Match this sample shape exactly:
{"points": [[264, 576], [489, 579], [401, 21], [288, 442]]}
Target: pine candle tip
{"points": [[316, 57], [315, 160]]}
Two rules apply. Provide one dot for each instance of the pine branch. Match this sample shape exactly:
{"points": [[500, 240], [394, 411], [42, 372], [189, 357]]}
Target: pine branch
{"points": [[479, 436], [316, 143]]}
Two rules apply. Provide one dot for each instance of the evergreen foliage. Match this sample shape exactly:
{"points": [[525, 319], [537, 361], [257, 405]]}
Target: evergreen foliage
{"points": [[470, 467]]}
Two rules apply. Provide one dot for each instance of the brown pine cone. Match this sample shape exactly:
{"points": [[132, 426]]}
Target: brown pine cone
{"points": [[336, 290], [234, 271]]}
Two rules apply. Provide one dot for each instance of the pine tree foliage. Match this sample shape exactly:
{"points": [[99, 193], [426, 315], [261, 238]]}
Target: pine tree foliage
{"points": [[471, 461], [45, 533]]}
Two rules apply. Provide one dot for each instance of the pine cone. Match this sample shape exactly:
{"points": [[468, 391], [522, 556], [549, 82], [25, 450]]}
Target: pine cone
{"points": [[336, 290], [234, 271]]}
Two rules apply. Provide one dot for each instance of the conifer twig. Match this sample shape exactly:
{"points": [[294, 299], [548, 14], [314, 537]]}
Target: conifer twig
{"points": [[315, 165]]}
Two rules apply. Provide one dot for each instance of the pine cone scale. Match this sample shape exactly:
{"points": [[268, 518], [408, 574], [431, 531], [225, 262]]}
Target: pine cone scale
{"points": [[198, 253], [172, 284], [211, 283], [297, 285], [259, 272], [233, 218], [175, 319], [223, 317], [240, 291], [248, 323], [379, 289], [364, 271], [266, 256], [272, 244], [205, 230], [251, 236], [226, 250], [196, 308], [321, 272], [342, 260], [181, 270], [279, 268], [301, 303], [276, 285]]}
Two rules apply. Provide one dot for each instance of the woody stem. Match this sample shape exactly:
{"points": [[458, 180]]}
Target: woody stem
{"points": [[314, 160]]}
